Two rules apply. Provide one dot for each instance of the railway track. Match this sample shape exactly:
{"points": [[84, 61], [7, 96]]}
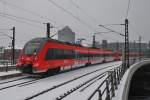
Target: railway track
{"points": [[19, 84], [88, 83], [69, 81], [33, 80], [13, 80], [79, 86]]}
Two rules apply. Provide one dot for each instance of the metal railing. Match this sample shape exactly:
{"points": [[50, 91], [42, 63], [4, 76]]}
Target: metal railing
{"points": [[6, 65], [106, 90], [109, 85]]}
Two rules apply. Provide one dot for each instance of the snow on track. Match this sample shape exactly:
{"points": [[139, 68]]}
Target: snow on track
{"points": [[23, 92]]}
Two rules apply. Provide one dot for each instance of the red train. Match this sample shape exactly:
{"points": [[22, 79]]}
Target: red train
{"points": [[47, 55]]}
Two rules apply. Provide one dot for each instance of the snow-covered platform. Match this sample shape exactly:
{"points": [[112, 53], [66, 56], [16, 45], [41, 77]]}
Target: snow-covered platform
{"points": [[9, 74]]}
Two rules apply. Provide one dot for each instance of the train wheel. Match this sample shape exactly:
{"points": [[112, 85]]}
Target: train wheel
{"points": [[44, 75], [56, 70], [87, 64], [104, 61]]}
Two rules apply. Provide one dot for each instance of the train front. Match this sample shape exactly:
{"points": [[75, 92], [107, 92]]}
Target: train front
{"points": [[29, 60]]}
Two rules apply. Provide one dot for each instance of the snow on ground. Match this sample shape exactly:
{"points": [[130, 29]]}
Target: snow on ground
{"points": [[20, 93], [10, 79], [6, 65], [84, 95], [9, 72], [59, 91]]}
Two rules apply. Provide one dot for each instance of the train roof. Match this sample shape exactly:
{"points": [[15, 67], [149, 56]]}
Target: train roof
{"points": [[54, 40], [44, 39]]}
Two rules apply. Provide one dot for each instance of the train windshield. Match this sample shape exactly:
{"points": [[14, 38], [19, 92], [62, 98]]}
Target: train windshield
{"points": [[32, 48]]}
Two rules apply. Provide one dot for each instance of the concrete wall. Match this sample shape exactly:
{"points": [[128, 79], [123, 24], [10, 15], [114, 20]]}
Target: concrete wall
{"points": [[128, 77]]}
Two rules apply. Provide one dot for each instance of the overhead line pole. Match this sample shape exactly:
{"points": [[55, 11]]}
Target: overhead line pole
{"points": [[126, 47], [13, 46], [94, 41], [48, 30], [49, 26], [140, 48], [126, 43], [113, 30]]}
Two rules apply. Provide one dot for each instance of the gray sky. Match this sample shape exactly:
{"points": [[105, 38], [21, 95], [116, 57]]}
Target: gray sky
{"points": [[93, 12]]}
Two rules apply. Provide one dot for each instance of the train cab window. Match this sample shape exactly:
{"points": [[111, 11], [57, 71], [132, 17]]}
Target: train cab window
{"points": [[31, 48], [34, 46]]}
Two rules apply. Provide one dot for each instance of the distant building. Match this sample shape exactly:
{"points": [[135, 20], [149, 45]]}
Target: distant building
{"points": [[1, 52], [133, 47], [97, 44], [104, 44], [66, 35], [6, 53]]}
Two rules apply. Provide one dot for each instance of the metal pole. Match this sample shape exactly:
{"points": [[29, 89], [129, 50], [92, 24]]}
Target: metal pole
{"points": [[94, 41], [48, 30], [126, 63], [140, 48], [13, 45]]}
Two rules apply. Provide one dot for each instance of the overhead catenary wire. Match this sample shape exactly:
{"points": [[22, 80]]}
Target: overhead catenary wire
{"points": [[5, 29], [36, 14], [22, 18], [23, 9], [21, 21], [114, 24], [127, 13], [71, 14], [78, 7], [83, 11], [30, 12], [128, 8], [4, 34], [112, 30]]}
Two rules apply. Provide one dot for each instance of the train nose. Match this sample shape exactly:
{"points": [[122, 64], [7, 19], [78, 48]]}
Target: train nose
{"points": [[29, 60]]}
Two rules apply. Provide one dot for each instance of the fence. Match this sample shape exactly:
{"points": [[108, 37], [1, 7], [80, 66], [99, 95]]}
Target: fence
{"points": [[6, 65], [110, 84], [106, 90]]}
